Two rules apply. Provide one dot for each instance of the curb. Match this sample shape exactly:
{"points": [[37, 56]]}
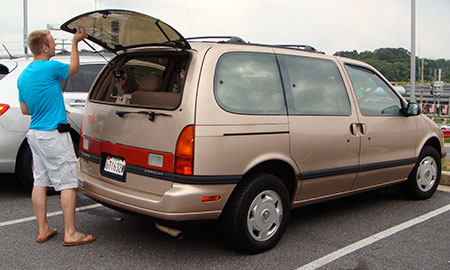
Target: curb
{"points": [[445, 178]]}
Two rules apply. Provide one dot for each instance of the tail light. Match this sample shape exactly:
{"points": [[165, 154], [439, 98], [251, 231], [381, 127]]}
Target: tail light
{"points": [[80, 144], [184, 152], [3, 108]]}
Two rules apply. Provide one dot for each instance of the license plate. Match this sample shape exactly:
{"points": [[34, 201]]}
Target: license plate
{"points": [[114, 165]]}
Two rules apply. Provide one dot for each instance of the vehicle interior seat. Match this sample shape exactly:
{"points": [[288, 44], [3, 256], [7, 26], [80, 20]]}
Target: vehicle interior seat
{"points": [[149, 93]]}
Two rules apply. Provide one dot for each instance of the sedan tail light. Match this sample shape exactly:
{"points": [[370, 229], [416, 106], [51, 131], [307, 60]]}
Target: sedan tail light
{"points": [[3, 108]]}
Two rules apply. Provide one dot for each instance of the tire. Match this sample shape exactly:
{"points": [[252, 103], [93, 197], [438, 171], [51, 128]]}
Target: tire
{"points": [[425, 177], [24, 168], [256, 215]]}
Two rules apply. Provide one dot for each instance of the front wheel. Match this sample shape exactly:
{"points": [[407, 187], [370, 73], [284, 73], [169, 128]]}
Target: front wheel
{"points": [[256, 216], [426, 175]]}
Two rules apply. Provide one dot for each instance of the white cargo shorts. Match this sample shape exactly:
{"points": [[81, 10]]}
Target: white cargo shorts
{"points": [[54, 160]]}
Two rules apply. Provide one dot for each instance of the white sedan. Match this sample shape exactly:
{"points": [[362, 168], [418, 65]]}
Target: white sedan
{"points": [[15, 154]]}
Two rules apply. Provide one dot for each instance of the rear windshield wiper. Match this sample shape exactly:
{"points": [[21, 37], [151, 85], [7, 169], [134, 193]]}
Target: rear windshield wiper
{"points": [[151, 114]]}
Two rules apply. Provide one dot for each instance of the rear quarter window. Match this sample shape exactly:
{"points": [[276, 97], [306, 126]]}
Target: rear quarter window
{"points": [[249, 83]]}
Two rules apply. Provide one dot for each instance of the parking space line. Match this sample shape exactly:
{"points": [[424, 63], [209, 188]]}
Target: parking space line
{"points": [[57, 213], [372, 239]]}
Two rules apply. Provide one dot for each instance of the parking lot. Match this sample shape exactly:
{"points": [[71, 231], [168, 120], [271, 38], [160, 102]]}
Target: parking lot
{"points": [[375, 230]]}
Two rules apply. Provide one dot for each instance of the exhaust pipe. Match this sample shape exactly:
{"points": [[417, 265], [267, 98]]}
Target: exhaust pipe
{"points": [[170, 231]]}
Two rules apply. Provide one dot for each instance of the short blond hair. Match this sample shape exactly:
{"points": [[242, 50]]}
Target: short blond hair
{"points": [[37, 39]]}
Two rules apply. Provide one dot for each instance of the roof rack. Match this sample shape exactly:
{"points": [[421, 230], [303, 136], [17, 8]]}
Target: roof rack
{"points": [[221, 39], [299, 47], [238, 40]]}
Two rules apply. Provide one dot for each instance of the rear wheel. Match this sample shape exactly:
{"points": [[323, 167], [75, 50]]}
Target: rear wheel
{"points": [[424, 178], [256, 216], [24, 168]]}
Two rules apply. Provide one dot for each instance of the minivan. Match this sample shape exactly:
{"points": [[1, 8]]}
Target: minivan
{"points": [[218, 128]]}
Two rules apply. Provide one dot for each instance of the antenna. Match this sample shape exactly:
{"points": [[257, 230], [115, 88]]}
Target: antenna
{"points": [[10, 56]]}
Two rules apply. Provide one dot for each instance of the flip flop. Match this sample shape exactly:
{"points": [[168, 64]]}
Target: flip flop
{"points": [[83, 239], [43, 239]]}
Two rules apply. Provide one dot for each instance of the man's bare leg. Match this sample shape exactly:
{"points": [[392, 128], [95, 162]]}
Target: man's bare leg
{"points": [[39, 199], [68, 205]]}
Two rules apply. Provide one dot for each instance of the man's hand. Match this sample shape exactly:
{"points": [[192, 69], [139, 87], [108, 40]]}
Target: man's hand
{"points": [[80, 34], [74, 64]]}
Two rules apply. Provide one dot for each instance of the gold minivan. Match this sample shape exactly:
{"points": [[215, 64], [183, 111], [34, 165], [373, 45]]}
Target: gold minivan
{"points": [[217, 128]]}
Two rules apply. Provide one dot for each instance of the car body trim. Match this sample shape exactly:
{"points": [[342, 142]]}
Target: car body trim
{"points": [[256, 133], [356, 169]]}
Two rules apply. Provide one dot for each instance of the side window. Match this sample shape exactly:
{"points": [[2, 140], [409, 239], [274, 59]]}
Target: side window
{"points": [[374, 96], [314, 86], [81, 81], [249, 83]]}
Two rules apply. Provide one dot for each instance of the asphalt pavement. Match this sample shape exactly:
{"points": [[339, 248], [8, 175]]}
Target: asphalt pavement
{"points": [[374, 230]]}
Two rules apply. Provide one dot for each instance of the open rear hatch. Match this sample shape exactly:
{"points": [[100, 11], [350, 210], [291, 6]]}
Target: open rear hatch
{"points": [[133, 117], [118, 30]]}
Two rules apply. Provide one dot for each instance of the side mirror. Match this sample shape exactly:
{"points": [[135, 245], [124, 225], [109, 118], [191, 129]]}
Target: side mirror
{"points": [[412, 109]]}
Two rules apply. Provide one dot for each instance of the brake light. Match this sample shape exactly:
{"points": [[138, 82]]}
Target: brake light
{"points": [[145, 158], [3, 108], [184, 152]]}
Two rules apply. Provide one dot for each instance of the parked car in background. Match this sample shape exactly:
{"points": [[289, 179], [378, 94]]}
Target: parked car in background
{"points": [[15, 154], [195, 129]]}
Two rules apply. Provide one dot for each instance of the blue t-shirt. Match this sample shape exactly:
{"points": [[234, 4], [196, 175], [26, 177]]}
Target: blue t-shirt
{"points": [[39, 88]]}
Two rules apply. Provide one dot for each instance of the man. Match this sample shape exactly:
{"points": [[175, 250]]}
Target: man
{"points": [[54, 159]]}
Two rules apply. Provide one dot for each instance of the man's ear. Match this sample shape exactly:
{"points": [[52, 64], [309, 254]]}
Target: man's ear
{"points": [[45, 48]]}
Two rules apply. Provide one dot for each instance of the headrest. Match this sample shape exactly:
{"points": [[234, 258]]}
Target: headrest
{"points": [[150, 82]]}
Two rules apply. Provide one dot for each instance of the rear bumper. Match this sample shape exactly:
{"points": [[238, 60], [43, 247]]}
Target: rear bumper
{"points": [[180, 202]]}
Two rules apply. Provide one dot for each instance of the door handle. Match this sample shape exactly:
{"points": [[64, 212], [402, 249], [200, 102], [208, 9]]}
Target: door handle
{"points": [[356, 128], [77, 103], [363, 128], [353, 129]]}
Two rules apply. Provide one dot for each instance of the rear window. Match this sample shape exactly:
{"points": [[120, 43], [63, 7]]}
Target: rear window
{"points": [[81, 81], [145, 81]]}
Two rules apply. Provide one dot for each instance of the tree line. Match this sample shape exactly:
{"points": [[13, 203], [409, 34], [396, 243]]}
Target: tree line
{"points": [[395, 63]]}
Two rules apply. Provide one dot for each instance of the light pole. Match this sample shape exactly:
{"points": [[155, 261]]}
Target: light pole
{"points": [[25, 26], [413, 51]]}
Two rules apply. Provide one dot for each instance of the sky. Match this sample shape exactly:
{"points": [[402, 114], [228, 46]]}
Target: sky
{"points": [[327, 25]]}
